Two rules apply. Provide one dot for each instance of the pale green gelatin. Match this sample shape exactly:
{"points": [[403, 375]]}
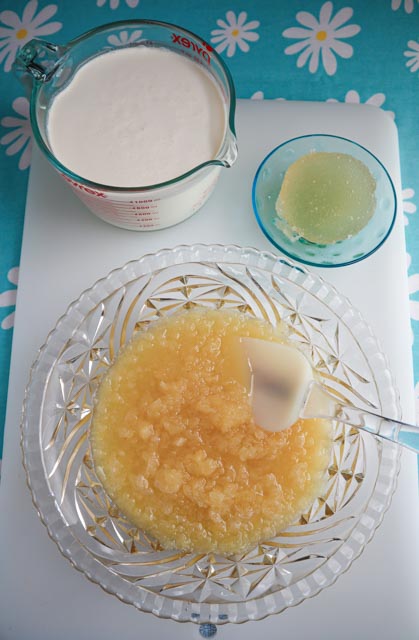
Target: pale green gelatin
{"points": [[327, 197]]}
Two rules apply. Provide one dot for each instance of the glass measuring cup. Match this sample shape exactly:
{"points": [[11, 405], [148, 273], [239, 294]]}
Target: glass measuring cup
{"points": [[46, 69]]}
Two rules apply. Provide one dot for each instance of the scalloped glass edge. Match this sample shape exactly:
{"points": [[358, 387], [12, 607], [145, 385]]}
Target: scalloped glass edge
{"points": [[182, 611]]}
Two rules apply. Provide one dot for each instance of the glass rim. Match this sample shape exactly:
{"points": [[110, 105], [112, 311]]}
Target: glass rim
{"points": [[229, 135]]}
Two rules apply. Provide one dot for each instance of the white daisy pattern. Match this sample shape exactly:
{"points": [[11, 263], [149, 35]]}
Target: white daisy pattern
{"points": [[376, 100], [413, 54], [408, 5], [234, 32], [16, 31], [8, 298], [259, 95], [19, 137], [413, 284], [123, 38], [114, 4], [408, 207], [322, 37]]}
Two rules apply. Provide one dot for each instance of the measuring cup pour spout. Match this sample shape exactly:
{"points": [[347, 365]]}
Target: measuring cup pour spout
{"points": [[228, 153], [38, 60]]}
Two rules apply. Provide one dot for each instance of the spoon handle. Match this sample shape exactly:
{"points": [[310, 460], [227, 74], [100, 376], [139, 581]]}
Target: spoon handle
{"points": [[396, 431]]}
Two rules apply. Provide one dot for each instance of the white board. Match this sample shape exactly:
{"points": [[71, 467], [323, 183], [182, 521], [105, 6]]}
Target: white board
{"points": [[65, 250]]}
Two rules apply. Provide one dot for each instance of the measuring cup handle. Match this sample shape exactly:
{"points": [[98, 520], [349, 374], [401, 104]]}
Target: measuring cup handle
{"points": [[37, 60]]}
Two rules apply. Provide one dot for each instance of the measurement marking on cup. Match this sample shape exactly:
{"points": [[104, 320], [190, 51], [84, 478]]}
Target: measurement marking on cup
{"points": [[132, 207], [129, 207], [146, 209], [145, 212], [135, 211]]}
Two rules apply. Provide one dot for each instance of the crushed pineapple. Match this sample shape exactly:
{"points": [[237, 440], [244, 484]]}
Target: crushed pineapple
{"points": [[176, 447]]}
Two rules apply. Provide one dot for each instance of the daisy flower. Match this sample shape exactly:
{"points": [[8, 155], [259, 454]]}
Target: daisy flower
{"points": [[413, 284], [408, 207], [376, 100], [234, 33], [8, 298], [408, 5], [16, 32], [322, 36], [413, 54], [122, 39], [114, 4], [259, 95], [19, 138]]}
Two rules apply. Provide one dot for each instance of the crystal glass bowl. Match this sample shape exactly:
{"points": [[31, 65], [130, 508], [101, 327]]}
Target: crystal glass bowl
{"points": [[91, 532], [267, 185]]}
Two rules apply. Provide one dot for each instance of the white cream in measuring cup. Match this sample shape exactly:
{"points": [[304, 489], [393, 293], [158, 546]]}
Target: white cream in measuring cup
{"points": [[140, 132], [137, 116]]}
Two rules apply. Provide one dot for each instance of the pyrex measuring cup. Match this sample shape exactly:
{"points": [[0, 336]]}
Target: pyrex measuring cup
{"points": [[47, 68]]}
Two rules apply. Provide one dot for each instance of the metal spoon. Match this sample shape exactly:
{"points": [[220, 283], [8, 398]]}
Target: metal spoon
{"points": [[283, 389]]}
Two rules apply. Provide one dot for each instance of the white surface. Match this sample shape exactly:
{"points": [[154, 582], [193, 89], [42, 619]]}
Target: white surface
{"points": [[65, 249]]}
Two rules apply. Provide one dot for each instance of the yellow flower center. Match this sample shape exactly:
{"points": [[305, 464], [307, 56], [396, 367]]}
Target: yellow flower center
{"points": [[321, 35], [235, 32], [21, 34]]}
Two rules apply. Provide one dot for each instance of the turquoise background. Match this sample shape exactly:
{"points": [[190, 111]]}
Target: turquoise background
{"points": [[378, 65]]}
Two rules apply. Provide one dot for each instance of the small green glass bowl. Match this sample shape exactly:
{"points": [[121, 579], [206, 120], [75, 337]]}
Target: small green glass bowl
{"points": [[267, 185]]}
